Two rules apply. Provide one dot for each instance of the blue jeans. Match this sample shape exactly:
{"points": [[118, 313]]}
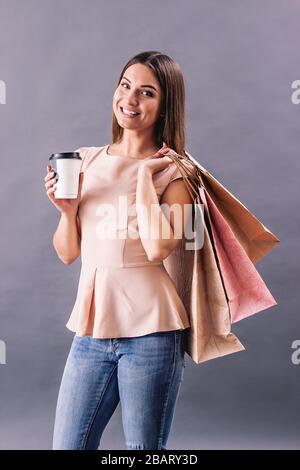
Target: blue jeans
{"points": [[144, 373]]}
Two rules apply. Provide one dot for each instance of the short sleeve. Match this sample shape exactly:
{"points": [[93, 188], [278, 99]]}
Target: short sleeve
{"points": [[83, 152], [190, 170], [176, 174]]}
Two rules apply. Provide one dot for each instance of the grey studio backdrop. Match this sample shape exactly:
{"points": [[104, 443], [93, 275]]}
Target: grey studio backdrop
{"points": [[59, 62]]}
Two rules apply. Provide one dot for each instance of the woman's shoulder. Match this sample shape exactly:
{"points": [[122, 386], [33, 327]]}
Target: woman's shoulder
{"points": [[182, 164], [87, 153], [84, 151]]}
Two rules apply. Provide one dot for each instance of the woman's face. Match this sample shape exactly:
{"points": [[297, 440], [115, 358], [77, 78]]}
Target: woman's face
{"points": [[133, 95]]}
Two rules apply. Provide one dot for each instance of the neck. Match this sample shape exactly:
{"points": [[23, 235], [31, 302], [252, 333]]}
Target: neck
{"points": [[136, 146]]}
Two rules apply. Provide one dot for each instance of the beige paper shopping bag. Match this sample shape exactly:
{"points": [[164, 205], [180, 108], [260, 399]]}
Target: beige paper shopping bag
{"points": [[199, 275]]}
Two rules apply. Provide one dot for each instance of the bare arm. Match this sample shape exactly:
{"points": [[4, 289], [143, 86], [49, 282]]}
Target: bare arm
{"points": [[160, 229], [67, 238]]}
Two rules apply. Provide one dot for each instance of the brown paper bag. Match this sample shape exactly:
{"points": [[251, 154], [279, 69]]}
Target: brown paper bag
{"points": [[199, 275]]}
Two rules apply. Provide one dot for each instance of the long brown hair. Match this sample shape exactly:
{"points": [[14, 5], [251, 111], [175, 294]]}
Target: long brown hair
{"points": [[171, 127]]}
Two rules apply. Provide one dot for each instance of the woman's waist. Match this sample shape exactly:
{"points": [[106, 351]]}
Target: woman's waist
{"points": [[98, 263], [122, 253]]}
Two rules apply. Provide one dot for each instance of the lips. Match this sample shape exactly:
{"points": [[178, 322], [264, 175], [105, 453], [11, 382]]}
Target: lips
{"points": [[129, 115]]}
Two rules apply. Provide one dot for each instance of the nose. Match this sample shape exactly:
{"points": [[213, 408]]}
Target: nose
{"points": [[132, 98]]}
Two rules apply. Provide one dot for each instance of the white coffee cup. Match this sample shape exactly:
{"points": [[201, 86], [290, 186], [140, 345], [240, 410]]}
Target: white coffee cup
{"points": [[67, 168]]}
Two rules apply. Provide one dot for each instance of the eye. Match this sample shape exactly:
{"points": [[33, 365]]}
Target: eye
{"points": [[150, 94]]}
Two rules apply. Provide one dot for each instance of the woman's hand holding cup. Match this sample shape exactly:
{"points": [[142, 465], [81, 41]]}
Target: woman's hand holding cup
{"points": [[67, 206]]}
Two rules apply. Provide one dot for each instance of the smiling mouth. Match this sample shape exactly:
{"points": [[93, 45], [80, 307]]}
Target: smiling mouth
{"points": [[129, 115]]}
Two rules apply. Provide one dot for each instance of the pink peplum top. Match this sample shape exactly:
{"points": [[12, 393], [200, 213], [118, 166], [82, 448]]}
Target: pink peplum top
{"points": [[120, 292]]}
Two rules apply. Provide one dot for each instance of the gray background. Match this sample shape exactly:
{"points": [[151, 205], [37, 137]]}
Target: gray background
{"points": [[60, 61]]}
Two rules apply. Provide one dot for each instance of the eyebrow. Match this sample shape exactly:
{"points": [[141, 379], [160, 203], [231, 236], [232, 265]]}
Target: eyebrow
{"points": [[142, 86]]}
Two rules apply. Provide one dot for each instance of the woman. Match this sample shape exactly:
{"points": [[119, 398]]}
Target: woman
{"points": [[130, 324]]}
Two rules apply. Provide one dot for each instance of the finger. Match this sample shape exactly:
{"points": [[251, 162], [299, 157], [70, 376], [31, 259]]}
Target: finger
{"points": [[50, 169], [50, 183], [164, 148], [167, 159], [51, 190], [49, 175], [157, 154], [160, 153]]}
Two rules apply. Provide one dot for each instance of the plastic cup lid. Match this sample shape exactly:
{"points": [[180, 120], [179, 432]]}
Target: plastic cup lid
{"points": [[69, 155]]}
